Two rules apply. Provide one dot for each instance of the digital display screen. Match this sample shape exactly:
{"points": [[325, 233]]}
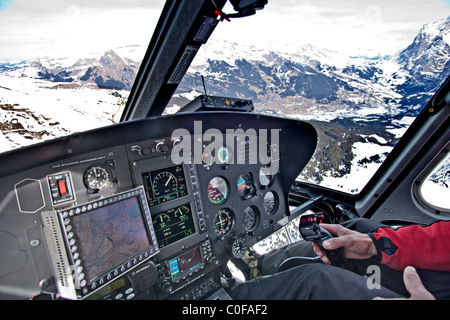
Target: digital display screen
{"points": [[110, 288], [308, 219], [105, 237], [164, 185], [185, 262], [173, 225]]}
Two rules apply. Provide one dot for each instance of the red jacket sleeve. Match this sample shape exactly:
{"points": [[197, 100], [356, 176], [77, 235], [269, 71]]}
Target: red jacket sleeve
{"points": [[421, 247]]}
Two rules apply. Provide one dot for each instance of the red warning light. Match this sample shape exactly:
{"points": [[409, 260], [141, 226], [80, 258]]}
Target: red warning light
{"points": [[62, 187]]}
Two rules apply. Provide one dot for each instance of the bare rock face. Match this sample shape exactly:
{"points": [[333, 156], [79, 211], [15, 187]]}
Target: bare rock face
{"points": [[112, 72]]}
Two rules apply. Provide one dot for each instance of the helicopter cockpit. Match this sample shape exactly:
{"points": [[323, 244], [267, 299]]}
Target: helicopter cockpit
{"points": [[155, 207]]}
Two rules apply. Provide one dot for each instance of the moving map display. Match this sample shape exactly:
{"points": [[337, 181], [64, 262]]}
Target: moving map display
{"points": [[105, 235], [185, 262]]}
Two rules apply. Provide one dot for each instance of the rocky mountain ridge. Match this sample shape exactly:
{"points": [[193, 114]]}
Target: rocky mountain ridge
{"points": [[314, 80], [110, 70]]}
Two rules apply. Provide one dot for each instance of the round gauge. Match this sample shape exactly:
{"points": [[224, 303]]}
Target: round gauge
{"points": [[96, 177], [164, 183], [265, 176], [270, 202], [161, 221], [236, 247], [245, 186], [223, 155], [181, 213], [217, 190], [223, 222], [207, 158], [251, 219]]}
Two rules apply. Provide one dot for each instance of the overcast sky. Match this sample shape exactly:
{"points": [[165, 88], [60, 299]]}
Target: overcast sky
{"points": [[31, 28], [367, 27]]}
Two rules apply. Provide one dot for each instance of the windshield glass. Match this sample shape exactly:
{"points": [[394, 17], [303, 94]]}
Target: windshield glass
{"points": [[68, 66], [359, 71]]}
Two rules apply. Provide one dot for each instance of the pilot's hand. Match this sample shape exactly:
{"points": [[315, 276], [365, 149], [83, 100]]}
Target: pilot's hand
{"points": [[414, 286], [355, 245]]}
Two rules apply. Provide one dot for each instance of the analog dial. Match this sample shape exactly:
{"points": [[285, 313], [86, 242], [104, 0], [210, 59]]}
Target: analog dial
{"points": [[270, 202], [164, 183], [236, 247], [245, 186], [265, 176], [251, 219], [223, 155], [223, 222], [217, 190], [96, 177]]}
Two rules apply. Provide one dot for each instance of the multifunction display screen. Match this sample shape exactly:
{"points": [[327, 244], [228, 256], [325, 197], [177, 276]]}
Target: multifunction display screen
{"points": [[108, 236], [173, 225], [185, 262], [164, 185]]}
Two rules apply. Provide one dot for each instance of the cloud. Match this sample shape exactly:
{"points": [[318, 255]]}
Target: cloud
{"points": [[62, 27], [355, 25], [370, 27]]}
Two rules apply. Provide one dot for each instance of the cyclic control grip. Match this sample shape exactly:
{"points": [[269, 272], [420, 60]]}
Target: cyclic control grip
{"points": [[311, 231]]}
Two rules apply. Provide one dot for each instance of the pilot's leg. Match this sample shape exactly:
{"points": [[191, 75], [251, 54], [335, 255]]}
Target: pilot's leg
{"points": [[310, 281], [270, 262]]}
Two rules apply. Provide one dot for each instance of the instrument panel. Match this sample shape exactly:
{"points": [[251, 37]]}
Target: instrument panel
{"points": [[202, 211]]}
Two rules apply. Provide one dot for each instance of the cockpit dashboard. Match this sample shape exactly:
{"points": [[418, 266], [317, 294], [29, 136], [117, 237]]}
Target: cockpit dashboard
{"points": [[146, 209]]}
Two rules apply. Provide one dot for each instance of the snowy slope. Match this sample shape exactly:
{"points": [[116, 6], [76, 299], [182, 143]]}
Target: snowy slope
{"points": [[33, 110]]}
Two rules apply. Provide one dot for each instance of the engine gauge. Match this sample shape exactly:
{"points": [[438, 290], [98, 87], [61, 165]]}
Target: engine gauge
{"points": [[223, 222], [270, 202], [251, 219], [96, 177], [165, 183], [161, 220], [236, 247], [217, 190], [183, 213]]}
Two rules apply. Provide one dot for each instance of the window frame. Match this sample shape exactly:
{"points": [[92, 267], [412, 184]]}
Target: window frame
{"points": [[432, 209]]}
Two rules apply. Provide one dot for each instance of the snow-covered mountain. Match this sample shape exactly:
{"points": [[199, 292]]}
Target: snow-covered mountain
{"points": [[359, 105], [426, 61], [45, 98], [367, 103], [114, 69], [293, 80]]}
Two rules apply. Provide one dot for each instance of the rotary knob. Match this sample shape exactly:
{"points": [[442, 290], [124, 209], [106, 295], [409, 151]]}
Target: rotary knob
{"points": [[212, 260], [161, 147], [166, 286]]}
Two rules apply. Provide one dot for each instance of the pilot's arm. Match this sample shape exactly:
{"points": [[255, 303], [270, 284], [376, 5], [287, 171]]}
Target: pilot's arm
{"points": [[422, 247], [417, 246]]}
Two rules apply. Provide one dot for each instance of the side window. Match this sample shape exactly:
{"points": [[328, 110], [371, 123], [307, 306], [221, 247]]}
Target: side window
{"points": [[435, 189]]}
